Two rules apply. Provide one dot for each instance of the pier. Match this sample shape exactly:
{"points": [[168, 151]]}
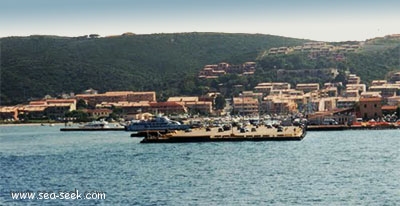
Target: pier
{"points": [[290, 133]]}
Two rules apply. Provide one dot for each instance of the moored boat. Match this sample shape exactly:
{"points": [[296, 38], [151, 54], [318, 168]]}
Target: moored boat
{"points": [[158, 123], [96, 125]]}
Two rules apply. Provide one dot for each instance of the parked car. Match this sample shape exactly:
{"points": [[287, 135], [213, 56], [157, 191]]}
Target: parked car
{"points": [[329, 122], [244, 130], [227, 127]]}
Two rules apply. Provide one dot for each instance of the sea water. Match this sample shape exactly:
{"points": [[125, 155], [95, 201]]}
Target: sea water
{"points": [[325, 168]]}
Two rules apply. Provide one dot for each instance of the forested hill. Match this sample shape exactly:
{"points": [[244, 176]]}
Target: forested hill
{"points": [[34, 66]]}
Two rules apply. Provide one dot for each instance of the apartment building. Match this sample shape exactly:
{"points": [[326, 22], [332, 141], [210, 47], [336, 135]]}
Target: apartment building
{"points": [[369, 94], [351, 93], [128, 108], [98, 113], [286, 93], [183, 99], [266, 87], [203, 107], [276, 105], [48, 108], [347, 102], [359, 87], [329, 92], [341, 116], [193, 104], [395, 77], [217, 70], [117, 96], [307, 87], [255, 95], [353, 79], [58, 110], [142, 96], [32, 111], [245, 106], [327, 104], [9, 113], [167, 108], [394, 101], [93, 99], [378, 82], [386, 90]]}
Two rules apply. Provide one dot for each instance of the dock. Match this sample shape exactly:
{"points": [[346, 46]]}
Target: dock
{"points": [[327, 127], [289, 133], [350, 127]]}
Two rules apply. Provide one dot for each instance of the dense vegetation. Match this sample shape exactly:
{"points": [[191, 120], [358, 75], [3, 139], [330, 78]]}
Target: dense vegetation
{"points": [[34, 66]]}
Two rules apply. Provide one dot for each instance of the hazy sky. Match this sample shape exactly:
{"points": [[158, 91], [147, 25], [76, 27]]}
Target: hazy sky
{"points": [[323, 20]]}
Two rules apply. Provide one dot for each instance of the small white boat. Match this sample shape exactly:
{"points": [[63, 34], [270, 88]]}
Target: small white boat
{"points": [[96, 124]]}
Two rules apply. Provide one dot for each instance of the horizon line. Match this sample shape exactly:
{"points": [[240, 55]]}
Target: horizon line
{"points": [[158, 33]]}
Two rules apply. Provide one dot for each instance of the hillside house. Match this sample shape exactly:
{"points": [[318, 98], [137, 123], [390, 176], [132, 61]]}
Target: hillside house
{"points": [[371, 108]]}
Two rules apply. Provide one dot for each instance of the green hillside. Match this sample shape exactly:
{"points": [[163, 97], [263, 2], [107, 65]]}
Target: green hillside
{"points": [[34, 66]]}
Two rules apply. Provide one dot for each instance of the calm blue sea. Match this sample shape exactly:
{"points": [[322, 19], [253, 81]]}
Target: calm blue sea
{"points": [[326, 168]]}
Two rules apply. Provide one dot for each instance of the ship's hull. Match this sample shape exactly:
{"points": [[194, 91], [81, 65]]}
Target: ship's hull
{"points": [[190, 139], [290, 134]]}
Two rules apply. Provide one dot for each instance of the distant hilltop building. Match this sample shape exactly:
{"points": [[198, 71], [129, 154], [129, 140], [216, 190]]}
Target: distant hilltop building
{"points": [[395, 77], [396, 36], [280, 50], [214, 71], [387, 37], [316, 49], [325, 74], [90, 91], [353, 79], [94, 36]]}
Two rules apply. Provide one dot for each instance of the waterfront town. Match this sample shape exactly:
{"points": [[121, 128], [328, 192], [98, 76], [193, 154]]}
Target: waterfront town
{"points": [[343, 102]]}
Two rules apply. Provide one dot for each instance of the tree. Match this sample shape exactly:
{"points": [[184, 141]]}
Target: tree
{"points": [[78, 115], [23, 117], [220, 102], [81, 104], [116, 113]]}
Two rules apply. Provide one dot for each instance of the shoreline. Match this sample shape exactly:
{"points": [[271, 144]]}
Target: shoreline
{"points": [[30, 124]]}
